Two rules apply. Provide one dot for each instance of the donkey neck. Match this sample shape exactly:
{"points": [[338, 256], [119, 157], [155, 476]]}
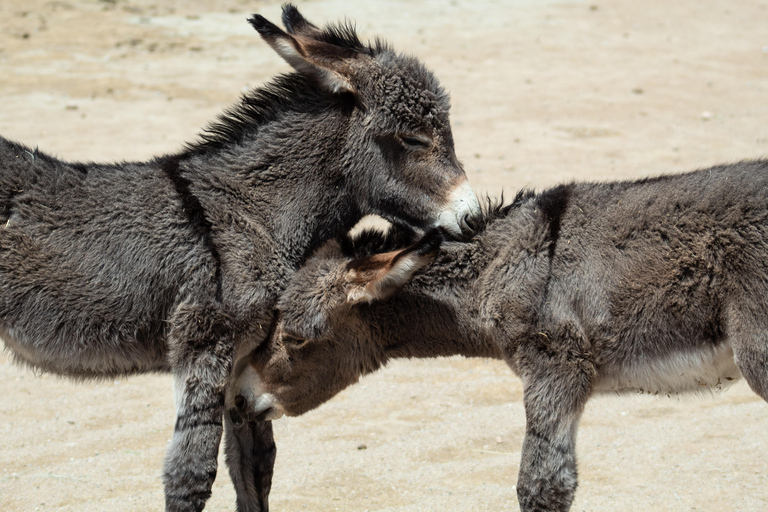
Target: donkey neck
{"points": [[444, 310], [433, 315], [284, 181], [313, 209]]}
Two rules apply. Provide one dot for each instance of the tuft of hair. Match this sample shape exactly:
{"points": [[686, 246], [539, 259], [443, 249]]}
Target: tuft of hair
{"points": [[344, 35], [258, 107], [495, 208], [374, 241]]}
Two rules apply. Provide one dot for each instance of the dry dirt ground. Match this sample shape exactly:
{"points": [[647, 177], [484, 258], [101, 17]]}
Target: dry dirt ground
{"points": [[543, 92]]}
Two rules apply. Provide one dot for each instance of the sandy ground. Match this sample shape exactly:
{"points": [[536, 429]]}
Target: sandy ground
{"points": [[543, 92]]}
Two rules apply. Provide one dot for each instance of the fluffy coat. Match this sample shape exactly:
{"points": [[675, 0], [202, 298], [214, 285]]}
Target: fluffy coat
{"points": [[657, 285], [175, 264]]}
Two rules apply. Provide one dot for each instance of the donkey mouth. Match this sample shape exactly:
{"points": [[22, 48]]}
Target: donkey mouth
{"points": [[263, 408], [461, 218], [269, 414]]}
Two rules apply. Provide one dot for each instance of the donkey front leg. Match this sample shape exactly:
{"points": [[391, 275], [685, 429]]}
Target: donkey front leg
{"points": [[201, 352], [554, 400], [251, 452]]}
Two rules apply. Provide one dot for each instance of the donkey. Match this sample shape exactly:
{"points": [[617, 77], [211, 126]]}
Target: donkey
{"points": [[175, 264], [658, 285]]}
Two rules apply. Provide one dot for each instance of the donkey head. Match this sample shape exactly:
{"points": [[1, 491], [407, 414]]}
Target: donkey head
{"points": [[323, 341], [397, 154]]}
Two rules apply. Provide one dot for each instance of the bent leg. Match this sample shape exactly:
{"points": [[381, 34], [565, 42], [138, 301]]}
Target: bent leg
{"points": [[202, 352], [251, 453]]}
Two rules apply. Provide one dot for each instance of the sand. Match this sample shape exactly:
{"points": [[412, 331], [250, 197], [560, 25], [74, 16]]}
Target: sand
{"points": [[543, 92]]}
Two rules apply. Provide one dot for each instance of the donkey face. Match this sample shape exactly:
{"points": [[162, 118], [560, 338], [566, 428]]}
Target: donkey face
{"points": [[324, 340], [397, 155]]}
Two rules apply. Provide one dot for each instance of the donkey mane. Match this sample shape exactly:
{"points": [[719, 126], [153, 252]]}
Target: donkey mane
{"points": [[374, 241], [257, 108], [496, 208], [344, 34]]}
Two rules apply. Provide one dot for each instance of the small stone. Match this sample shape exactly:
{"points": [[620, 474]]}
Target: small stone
{"points": [[362, 447], [706, 115], [499, 440]]}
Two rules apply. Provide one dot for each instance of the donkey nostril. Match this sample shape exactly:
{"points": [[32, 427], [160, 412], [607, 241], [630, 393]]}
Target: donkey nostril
{"points": [[470, 224], [236, 418], [239, 402]]}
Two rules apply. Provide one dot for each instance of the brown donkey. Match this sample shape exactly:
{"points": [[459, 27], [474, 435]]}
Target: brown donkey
{"points": [[659, 285]]}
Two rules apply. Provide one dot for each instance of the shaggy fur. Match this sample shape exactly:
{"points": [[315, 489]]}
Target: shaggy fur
{"points": [[175, 264], [657, 285]]}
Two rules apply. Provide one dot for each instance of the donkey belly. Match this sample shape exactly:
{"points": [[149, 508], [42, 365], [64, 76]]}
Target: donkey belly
{"points": [[693, 369], [80, 357], [84, 311]]}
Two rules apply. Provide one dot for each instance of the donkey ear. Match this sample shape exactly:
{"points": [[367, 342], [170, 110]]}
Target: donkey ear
{"points": [[331, 65], [296, 24], [379, 276]]}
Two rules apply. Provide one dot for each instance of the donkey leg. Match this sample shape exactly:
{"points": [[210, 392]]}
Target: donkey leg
{"points": [[749, 340], [251, 452], [202, 352], [554, 397]]}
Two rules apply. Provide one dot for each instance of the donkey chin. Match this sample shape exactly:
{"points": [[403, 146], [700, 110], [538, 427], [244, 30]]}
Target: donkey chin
{"points": [[462, 211]]}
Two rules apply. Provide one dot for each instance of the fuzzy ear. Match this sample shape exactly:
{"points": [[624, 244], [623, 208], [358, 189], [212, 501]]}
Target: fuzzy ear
{"points": [[379, 276], [330, 64], [296, 24]]}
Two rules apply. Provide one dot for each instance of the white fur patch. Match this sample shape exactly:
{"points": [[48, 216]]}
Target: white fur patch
{"points": [[249, 385], [703, 369], [462, 202], [179, 383]]}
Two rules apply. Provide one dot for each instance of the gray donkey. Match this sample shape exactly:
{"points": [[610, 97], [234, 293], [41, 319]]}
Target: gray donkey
{"points": [[658, 285], [175, 264]]}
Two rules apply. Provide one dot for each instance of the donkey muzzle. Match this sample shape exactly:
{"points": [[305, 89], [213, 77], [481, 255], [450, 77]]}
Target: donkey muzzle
{"points": [[462, 213], [252, 402]]}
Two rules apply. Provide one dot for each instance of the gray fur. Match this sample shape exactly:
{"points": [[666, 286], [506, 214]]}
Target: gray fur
{"points": [[175, 264], [658, 285]]}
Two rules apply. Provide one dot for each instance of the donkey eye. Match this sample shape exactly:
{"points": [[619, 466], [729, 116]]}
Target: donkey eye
{"points": [[415, 140], [294, 342]]}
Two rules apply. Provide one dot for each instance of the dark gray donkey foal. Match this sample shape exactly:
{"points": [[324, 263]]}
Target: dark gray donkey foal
{"points": [[658, 285], [175, 264]]}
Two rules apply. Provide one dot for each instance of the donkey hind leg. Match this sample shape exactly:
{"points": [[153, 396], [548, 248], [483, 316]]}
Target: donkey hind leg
{"points": [[750, 351], [201, 351], [554, 400], [251, 452]]}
